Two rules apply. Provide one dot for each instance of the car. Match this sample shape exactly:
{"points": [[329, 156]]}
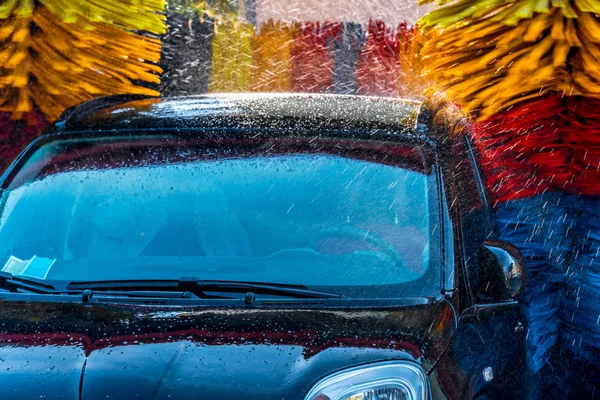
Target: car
{"points": [[255, 246]]}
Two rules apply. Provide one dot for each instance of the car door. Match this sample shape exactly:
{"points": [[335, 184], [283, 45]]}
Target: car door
{"points": [[486, 359]]}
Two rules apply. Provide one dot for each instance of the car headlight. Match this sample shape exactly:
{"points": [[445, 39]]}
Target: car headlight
{"points": [[393, 380]]}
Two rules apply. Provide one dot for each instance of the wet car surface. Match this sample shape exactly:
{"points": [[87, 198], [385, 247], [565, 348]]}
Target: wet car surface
{"points": [[211, 352], [114, 317]]}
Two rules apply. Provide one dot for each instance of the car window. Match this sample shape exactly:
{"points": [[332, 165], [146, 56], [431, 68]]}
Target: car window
{"points": [[148, 209]]}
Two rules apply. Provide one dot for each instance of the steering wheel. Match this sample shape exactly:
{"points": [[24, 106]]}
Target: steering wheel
{"points": [[367, 236]]}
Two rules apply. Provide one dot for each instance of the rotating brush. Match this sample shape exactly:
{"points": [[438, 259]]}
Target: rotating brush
{"points": [[312, 56], [491, 55], [57, 53], [231, 56], [272, 58]]}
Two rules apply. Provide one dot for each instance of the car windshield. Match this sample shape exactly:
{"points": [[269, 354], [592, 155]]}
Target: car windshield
{"points": [[356, 217]]}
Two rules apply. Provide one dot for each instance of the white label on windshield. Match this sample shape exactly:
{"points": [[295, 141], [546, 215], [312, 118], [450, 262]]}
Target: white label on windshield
{"points": [[14, 266], [36, 267]]}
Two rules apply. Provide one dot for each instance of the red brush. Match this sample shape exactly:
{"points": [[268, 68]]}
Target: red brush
{"points": [[551, 143], [582, 135], [410, 83], [312, 56], [378, 68], [16, 134]]}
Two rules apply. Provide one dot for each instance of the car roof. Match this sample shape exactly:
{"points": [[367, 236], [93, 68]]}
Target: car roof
{"points": [[374, 116]]}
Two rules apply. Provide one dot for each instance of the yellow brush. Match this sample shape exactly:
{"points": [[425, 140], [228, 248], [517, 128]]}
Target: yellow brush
{"points": [[491, 54], [231, 56], [61, 64], [143, 15], [272, 59]]}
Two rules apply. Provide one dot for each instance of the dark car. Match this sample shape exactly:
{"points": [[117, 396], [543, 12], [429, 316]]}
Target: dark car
{"points": [[254, 247]]}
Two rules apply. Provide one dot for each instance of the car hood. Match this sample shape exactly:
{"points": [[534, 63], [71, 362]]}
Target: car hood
{"points": [[70, 351]]}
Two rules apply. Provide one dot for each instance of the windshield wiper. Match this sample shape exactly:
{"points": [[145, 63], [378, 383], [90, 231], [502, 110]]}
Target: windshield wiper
{"points": [[18, 284], [200, 287]]}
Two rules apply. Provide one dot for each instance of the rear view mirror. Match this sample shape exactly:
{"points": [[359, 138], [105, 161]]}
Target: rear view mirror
{"points": [[501, 271]]}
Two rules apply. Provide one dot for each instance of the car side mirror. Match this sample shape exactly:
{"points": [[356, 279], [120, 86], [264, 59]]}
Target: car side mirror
{"points": [[501, 273]]}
